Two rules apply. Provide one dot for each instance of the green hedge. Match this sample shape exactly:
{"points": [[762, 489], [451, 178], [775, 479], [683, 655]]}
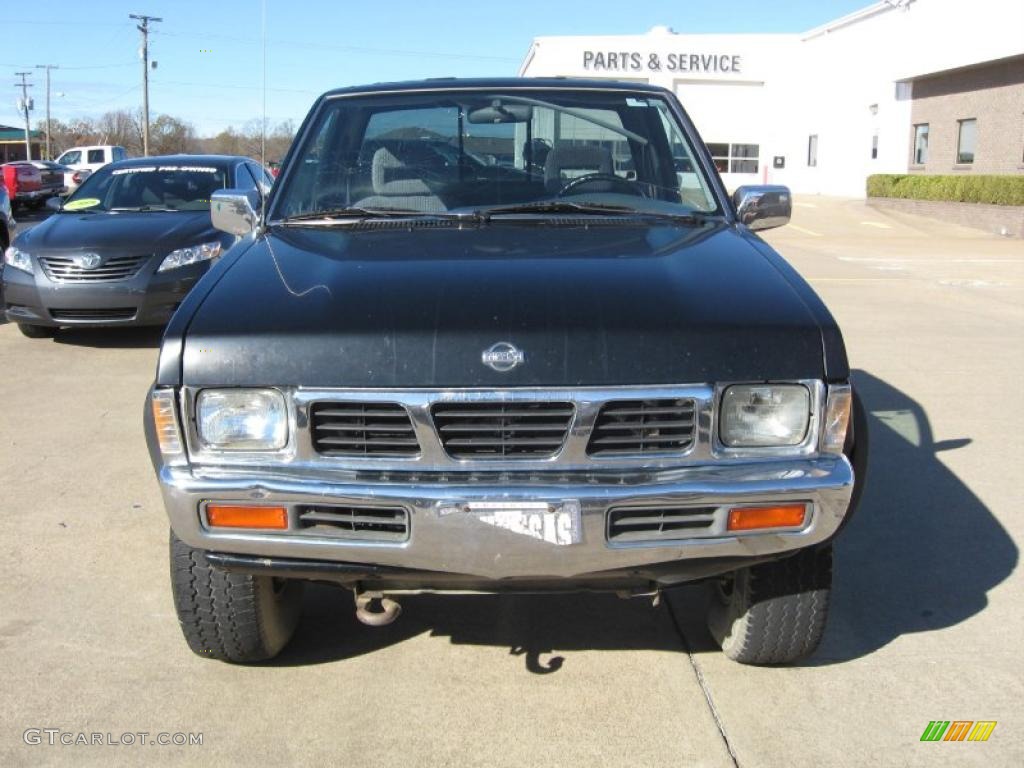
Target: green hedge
{"points": [[997, 190]]}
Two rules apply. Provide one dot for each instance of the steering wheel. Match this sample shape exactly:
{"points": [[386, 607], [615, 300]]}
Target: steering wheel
{"points": [[632, 186]]}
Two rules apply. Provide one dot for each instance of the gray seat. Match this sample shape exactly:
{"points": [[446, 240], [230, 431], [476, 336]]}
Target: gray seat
{"points": [[397, 185], [583, 159]]}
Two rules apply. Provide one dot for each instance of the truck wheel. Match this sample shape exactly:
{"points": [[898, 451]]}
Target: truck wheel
{"points": [[774, 612], [36, 331], [231, 616]]}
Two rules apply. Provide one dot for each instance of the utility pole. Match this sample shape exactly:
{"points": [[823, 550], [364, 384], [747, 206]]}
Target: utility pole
{"points": [[144, 29], [48, 67], [25, 106]]}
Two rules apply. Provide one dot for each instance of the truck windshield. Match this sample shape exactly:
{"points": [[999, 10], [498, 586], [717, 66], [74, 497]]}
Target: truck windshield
{"points": [[472, 150], [157, 187]]}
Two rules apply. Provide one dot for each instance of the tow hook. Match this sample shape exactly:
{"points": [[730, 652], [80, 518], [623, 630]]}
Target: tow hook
{"points": [[389, 609]]}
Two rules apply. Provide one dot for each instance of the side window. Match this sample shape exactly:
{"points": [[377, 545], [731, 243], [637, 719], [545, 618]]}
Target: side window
{"points": [[244, 178], [692, 189], [313, 173], [263, 179], [95, 156], [70, 158], [119, 153]]}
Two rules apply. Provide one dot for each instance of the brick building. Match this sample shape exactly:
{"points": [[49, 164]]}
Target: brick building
{"points": [[969, 119]]}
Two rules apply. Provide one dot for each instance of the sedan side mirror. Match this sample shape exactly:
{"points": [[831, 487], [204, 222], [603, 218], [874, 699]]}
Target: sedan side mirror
{"points": [[54, 203], [763, 206], [236, 211]]}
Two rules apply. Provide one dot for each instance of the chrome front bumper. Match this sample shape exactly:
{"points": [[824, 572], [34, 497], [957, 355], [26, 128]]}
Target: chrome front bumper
{"points": [[461, 543]]}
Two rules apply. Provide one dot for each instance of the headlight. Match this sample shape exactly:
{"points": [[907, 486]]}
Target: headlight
{"points": [[18, 259], [764, 415], [242, 419], [191, 255]]}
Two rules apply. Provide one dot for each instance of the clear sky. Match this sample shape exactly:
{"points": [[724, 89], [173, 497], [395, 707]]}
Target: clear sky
{"points": [[209, 52]]}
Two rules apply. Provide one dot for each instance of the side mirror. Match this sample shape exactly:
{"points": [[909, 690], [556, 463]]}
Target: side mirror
{"points": [[54, 203], [236, 211], [763, 207]]}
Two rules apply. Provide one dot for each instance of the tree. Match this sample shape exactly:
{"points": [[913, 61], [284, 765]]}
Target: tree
{"points": [[168, 135], [121, 128], [171, 136], [227, 142]]}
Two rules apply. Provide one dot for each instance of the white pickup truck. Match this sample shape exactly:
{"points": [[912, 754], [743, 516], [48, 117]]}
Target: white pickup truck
{"points": [[92, 158]]}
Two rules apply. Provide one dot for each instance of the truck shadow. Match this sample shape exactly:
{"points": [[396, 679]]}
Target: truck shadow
{"points": [[542, 629], [921, 554], [923, 550]]}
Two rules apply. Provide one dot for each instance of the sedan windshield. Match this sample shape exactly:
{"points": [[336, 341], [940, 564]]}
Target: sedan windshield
{"points": [[149, 188], [457, 151]]}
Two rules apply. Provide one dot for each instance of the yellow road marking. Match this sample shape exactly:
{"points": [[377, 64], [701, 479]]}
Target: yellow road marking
{"points": [[810, 232], [878, 224], [857, 279], [889, 260]]}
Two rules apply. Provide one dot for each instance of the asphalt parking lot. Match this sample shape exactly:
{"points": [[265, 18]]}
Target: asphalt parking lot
{"points": [[926, 621]]}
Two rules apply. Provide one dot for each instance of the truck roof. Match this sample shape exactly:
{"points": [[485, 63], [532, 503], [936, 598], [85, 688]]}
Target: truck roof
{"points": [[454, 83], [180, 159]]}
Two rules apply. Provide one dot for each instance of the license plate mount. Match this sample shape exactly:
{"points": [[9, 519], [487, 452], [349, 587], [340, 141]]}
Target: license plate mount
{"points": [[557, 523]]}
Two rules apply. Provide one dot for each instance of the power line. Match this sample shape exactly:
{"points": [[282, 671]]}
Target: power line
{"points": [[91, 66], [305, 44], [216, 86]]}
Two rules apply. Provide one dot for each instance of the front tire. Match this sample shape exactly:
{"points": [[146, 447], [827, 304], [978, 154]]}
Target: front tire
{"points": [[774, 612], [36, 331], [231, 616]]}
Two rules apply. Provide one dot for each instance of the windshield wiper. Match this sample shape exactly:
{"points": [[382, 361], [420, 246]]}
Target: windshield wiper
{"points": [[137, 208], [599, 209], [358, 213]]}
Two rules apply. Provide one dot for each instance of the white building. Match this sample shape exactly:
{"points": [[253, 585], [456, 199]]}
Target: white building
{"points": [[822, 110]]}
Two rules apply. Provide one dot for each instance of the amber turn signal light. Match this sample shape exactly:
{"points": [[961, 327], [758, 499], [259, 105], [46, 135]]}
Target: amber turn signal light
{"points": [[231, 516], [754, 518]]}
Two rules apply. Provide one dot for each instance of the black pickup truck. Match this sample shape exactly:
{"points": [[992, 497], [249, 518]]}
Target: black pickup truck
{"points": [[502, 335]]}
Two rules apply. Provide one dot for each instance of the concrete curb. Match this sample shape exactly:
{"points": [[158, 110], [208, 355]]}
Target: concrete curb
{"points": [[1006, 220]]}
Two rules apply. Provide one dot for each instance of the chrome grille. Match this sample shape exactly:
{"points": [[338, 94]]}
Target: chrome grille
{"points": [[64, 270], [628, 427], [636, 524], [363, 523], [362, 429], [520, 429]]}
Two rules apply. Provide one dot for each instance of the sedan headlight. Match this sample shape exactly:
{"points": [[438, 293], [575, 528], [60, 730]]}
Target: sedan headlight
{"points": [[242, 419], [191, 255], [18, 259], [764, 415]]}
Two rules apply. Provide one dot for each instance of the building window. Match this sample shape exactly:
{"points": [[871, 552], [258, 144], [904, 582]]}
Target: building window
{"points": [[874, 147], [812, 151], [735, 158], [921, 144], [967, 138]]}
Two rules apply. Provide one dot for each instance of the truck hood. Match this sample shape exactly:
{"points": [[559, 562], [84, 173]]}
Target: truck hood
{"points": [[416, 307], [152, 231]]}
